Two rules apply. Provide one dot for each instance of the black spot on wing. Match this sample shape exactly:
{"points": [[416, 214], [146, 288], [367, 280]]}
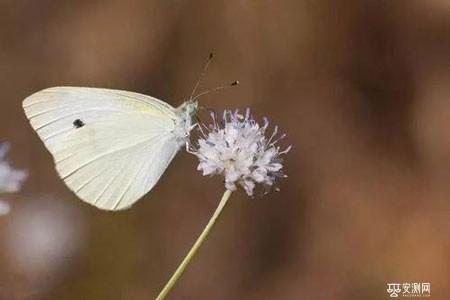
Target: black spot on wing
{"points": [[78, 123]]}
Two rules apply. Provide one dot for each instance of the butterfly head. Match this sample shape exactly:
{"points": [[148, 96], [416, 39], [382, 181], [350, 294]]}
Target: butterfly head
{"points": [[189, 108]]}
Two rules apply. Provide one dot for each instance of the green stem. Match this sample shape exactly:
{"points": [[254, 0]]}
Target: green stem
{"points": [[173, 280]]}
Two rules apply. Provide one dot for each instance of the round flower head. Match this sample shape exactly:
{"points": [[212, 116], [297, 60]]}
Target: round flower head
{"points": [[238, 149], [10, 179]]}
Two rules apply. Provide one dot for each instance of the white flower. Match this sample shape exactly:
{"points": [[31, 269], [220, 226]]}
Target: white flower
{"points": [[10, 179], [238, 149]]}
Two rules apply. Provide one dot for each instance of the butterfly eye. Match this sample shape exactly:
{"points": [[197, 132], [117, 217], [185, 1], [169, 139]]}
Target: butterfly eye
{"points": [[78, 123]]}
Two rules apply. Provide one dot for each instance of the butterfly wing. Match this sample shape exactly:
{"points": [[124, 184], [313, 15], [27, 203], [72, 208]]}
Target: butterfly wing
{"points": [[110, 147]]}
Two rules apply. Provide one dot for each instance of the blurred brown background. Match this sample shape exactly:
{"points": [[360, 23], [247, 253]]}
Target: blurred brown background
{"points": [[360, 87]]}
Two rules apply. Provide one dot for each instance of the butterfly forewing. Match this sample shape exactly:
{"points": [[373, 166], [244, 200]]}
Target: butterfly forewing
{"points": [[110, 147]]}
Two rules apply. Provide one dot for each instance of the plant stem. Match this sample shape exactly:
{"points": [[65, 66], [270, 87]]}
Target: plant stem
{"points": [[179, 271]]}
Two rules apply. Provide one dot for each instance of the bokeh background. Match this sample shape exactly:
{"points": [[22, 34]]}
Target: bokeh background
{"points": [[362, 88]]}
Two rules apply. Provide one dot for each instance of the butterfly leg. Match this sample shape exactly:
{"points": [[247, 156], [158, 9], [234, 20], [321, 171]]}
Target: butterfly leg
{"points": [[193, 126], [188, 148], [188, 144]]}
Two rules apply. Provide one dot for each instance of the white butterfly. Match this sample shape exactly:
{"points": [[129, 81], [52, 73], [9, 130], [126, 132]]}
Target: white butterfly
{"points": [[110, 147]]}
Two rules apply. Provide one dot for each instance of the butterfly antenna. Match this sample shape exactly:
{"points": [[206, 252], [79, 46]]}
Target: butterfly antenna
{"points": [[210, 57], [215, 89]]}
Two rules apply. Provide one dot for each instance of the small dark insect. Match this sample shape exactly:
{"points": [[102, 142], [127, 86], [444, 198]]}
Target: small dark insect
{"points": [[78, 123]]}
